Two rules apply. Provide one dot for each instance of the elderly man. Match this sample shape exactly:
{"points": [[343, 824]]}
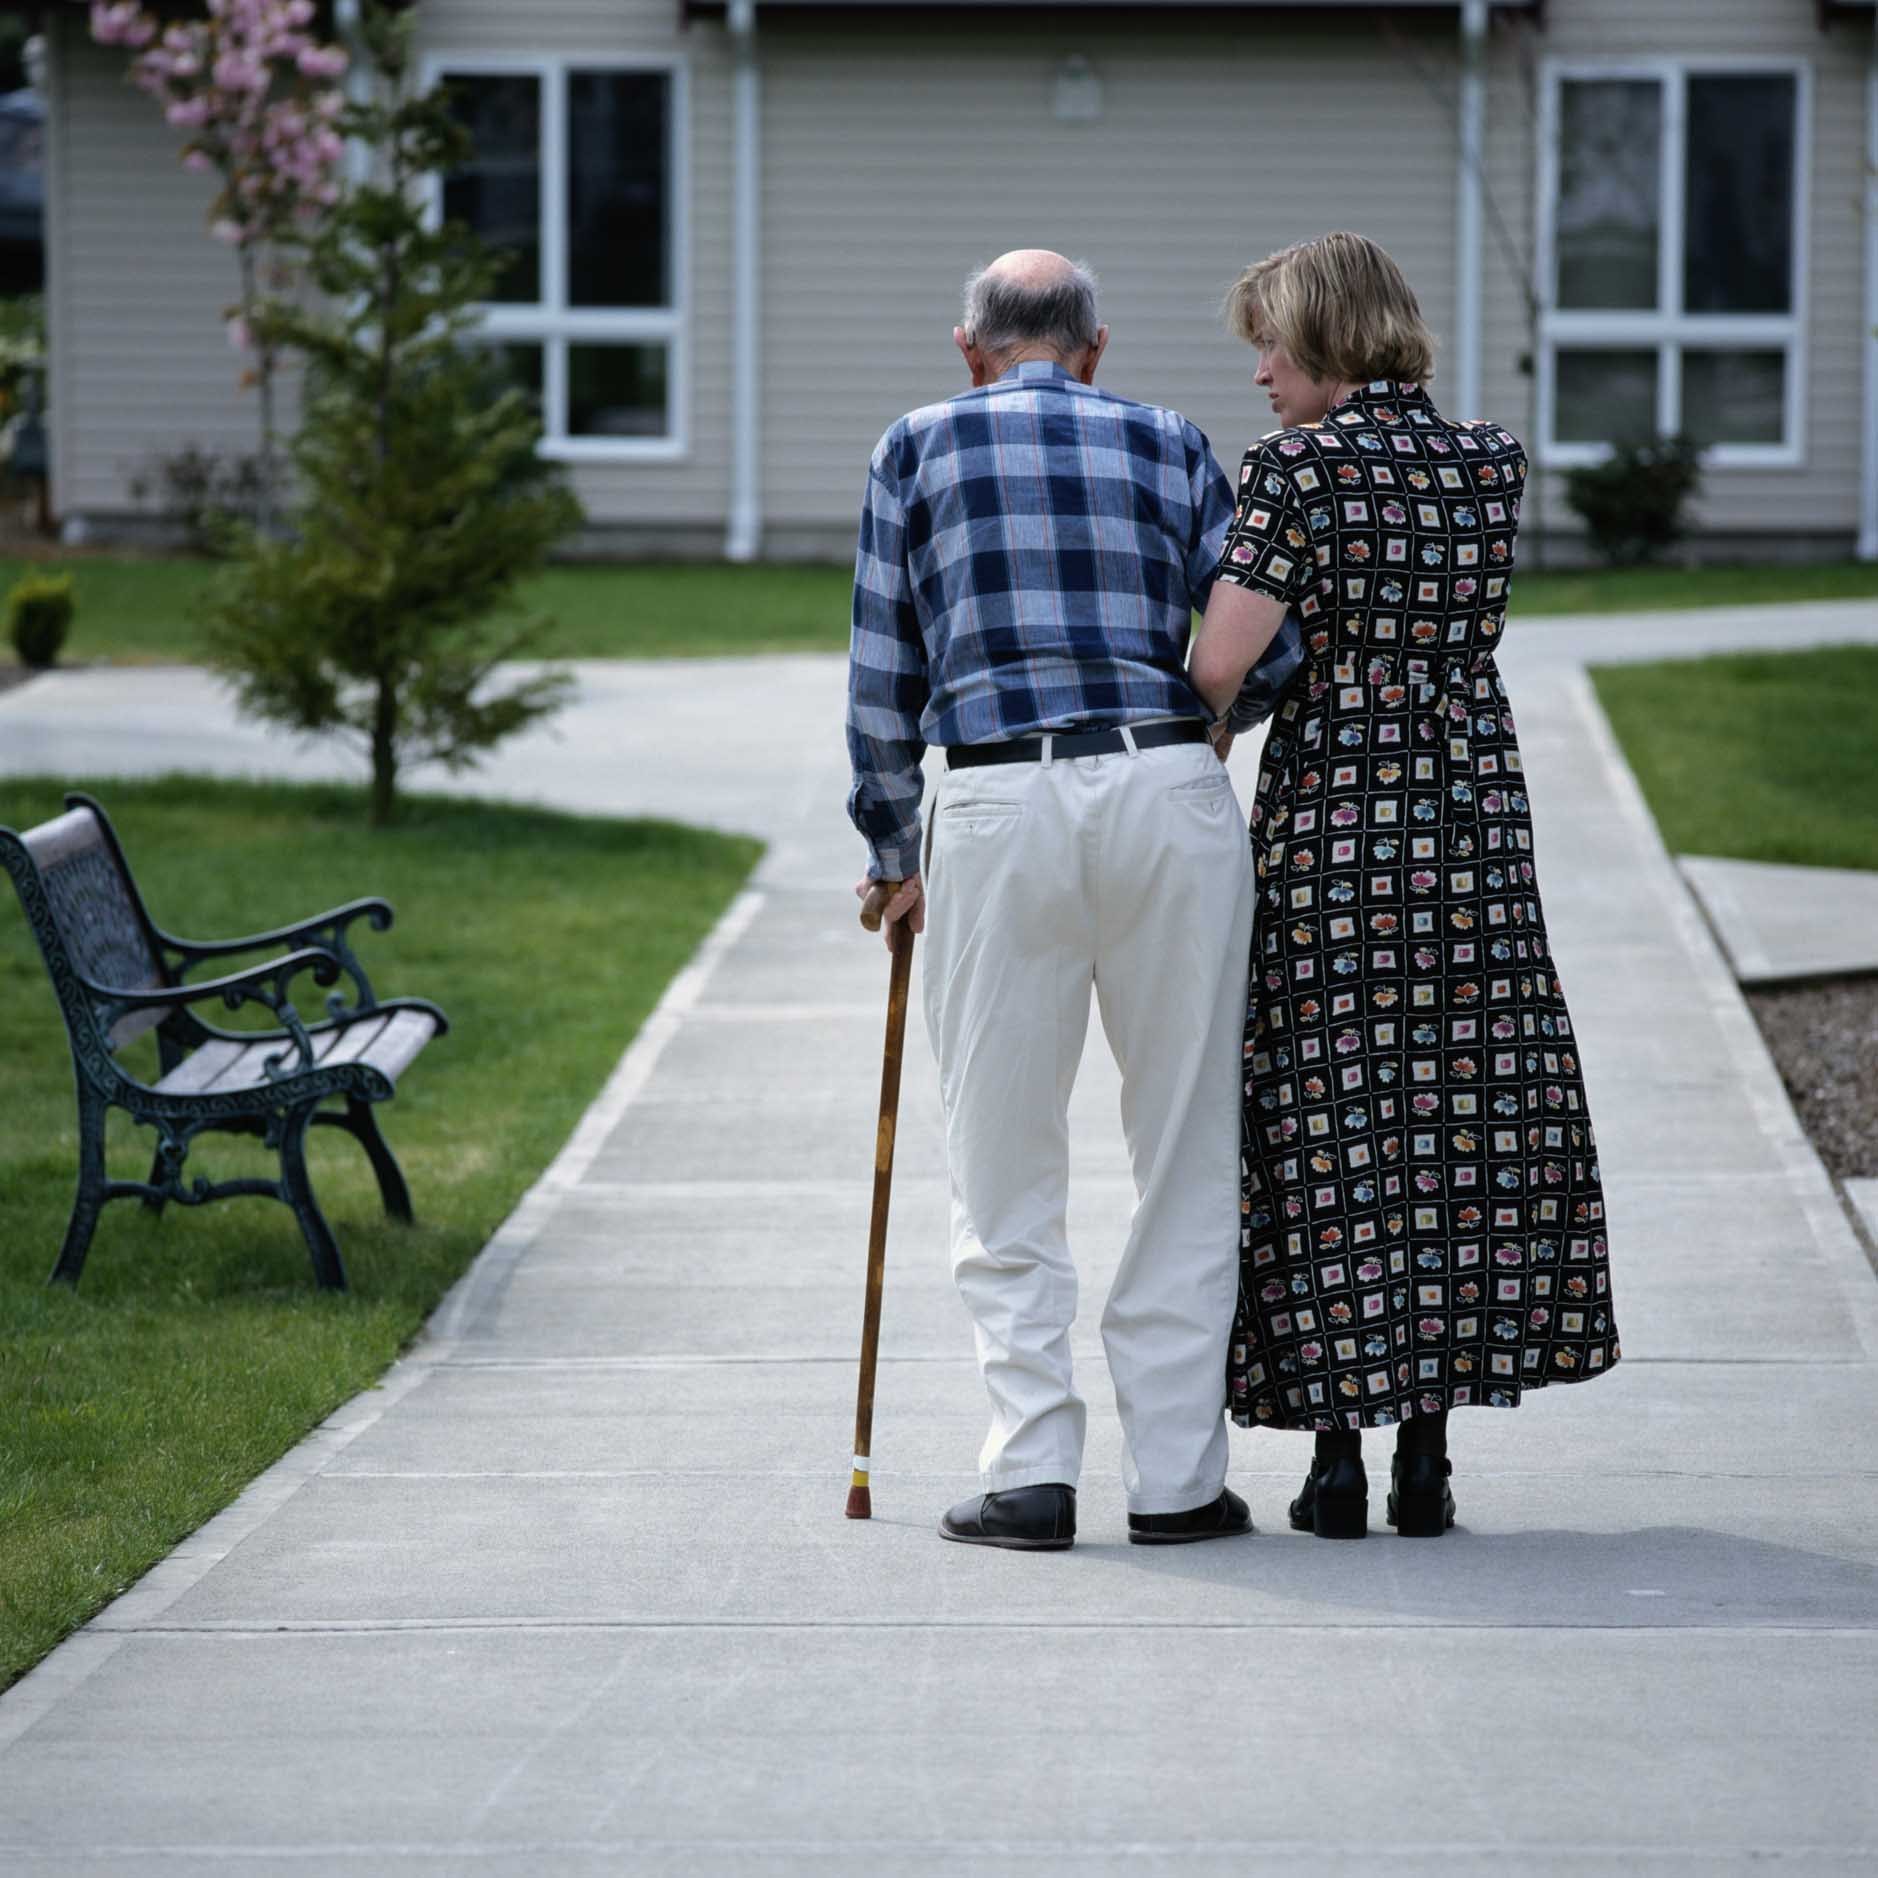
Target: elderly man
{"points": [[1030, 554]]}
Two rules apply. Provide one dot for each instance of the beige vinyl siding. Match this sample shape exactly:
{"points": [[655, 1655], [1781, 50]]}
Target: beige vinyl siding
{"points": [[897, 159], [1820, 496], [538, 28], [137, 290]]}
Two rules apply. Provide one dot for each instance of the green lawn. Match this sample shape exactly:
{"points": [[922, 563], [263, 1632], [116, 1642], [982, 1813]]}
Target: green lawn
{"points": [[1762, 756], [151, 609], [196, 1351]]}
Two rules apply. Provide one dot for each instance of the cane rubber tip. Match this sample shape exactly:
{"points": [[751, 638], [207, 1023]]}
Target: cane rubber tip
{"points": [[860, 1503]]}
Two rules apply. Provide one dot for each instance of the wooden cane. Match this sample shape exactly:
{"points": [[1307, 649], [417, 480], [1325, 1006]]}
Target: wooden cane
{"points": [[860, 1503]]}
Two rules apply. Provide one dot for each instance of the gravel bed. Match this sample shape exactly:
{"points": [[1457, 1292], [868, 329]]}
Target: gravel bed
{"points": [[1825, 1040]]}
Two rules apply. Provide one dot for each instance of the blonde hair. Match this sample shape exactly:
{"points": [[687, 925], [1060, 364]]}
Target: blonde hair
{"points": [[1339, 306]]}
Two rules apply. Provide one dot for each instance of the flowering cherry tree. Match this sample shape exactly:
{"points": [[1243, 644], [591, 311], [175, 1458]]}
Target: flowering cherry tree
{"points": [[258, 97]]}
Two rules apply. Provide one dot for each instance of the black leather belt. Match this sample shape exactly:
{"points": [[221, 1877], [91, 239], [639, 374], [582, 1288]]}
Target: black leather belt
{"points": [[1074, 743]]}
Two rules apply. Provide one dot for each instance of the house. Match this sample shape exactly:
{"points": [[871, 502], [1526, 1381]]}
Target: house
{"points": [[738, 229]]}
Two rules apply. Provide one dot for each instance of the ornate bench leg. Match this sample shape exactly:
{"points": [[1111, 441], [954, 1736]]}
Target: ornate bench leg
{"points": [[297, 1191], [159, 1173], [88, 1203], [359, 1122]]}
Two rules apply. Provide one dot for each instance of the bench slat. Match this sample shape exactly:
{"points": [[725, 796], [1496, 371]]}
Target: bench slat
{"points": [[203, 1068], [403, 1038], [388, 1041]]}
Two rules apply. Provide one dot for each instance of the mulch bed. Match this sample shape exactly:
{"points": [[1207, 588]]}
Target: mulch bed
{"points": [[1825, 1040]]}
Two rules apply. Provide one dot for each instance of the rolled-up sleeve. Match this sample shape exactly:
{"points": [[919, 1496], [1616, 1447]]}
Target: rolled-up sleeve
{"points": [[888, 684], [1268, 546]]}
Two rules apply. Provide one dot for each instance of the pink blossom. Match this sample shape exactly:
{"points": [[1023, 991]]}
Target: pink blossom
{"points": [[188, 113], [240, 335], [322, 62], [121, 23], [240, 71], [225, 228]]}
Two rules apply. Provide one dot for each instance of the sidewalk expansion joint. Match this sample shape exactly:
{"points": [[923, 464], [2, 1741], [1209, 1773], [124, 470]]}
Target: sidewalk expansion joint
{"points": [[396, 1626]]}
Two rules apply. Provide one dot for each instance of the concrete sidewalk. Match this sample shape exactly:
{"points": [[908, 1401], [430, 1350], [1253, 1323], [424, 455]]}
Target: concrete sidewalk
{"points": [[572, 1592]]}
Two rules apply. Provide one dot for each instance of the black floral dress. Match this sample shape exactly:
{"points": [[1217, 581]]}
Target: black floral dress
{"points": [[1423, 1221]]}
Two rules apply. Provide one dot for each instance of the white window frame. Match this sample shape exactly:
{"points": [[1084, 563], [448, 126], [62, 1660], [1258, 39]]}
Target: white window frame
{"points": [[1667, 329], [552, 322]]}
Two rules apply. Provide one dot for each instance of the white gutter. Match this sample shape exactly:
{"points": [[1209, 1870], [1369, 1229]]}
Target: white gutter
{"points": [[744, 537], [1463, 400], [1868, 453]]}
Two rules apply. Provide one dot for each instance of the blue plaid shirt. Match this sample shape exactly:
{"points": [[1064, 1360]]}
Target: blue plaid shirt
{"points": [[1030, 558]]}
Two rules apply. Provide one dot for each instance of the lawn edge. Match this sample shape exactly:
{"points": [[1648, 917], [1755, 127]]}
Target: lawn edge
{"points": [[87, 1646]]}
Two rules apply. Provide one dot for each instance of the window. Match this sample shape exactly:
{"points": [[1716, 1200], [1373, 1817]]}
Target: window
{"points": [[576, 183], [1672, 205]]}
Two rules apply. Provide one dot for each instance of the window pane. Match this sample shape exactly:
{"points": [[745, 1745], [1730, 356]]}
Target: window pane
{"points": [[616, 391], [1738, 252], [1609, 214], [498, 192], [1604, 397], [618, 185], [1734, 397]]}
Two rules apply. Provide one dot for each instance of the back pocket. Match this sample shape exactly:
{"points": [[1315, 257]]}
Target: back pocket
{"points": [[979, 818]]}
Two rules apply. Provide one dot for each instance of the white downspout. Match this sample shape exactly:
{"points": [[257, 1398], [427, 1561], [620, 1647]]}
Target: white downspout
{"points": [[349, 30], [1464, 400], [744, 537], [1868, 453]]}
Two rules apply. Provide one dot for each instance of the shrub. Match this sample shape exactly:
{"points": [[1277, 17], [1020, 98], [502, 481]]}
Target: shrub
{"points": [[207, 493], [1632, 504], [39, 618]]}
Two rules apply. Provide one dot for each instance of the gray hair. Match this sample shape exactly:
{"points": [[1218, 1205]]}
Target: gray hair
{"points": [[1002, 314]]}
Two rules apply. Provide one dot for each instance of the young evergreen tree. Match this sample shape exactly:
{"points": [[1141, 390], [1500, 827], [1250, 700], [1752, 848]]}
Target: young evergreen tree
{"points": [[422, 498]]}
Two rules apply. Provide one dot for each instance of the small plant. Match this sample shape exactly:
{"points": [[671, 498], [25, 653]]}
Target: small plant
{"points": [[205, 492], [39, 618], [1632, 504], [389, 613]]}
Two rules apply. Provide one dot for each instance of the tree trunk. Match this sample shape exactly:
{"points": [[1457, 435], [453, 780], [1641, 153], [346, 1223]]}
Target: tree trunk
{"points": [[265, 503], [385, 755]]}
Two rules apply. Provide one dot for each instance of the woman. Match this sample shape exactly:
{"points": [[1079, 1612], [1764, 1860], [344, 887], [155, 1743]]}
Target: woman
{"points": [[1423, 1224]]}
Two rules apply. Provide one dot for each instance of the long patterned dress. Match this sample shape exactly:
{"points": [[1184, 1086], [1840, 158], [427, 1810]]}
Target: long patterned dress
{"points": [[1422, 1217]]}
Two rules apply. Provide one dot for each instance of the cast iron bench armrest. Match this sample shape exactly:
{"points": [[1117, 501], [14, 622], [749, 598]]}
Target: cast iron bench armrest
{"points": [[264, 984], [325, 931]]}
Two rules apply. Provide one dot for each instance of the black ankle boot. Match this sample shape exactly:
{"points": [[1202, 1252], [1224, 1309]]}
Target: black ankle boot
{"points": [[1421, 1503], [1334, 1503]]}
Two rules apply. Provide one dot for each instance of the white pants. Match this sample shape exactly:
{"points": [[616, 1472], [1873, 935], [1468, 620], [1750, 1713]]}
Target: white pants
{"points": [[1132, 874]]}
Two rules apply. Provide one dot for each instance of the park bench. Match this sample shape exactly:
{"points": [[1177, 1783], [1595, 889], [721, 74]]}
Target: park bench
{"points": [[118, 976]]}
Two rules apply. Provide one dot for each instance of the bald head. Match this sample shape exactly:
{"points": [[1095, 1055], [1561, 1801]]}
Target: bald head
{"points": [[1032, 270], [1031, 304]]}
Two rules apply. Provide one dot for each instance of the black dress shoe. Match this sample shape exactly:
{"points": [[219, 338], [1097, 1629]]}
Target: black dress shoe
{"points": [[1334, 1503], [1421, 1503], [1021, 1519], [1225, 1518]]}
